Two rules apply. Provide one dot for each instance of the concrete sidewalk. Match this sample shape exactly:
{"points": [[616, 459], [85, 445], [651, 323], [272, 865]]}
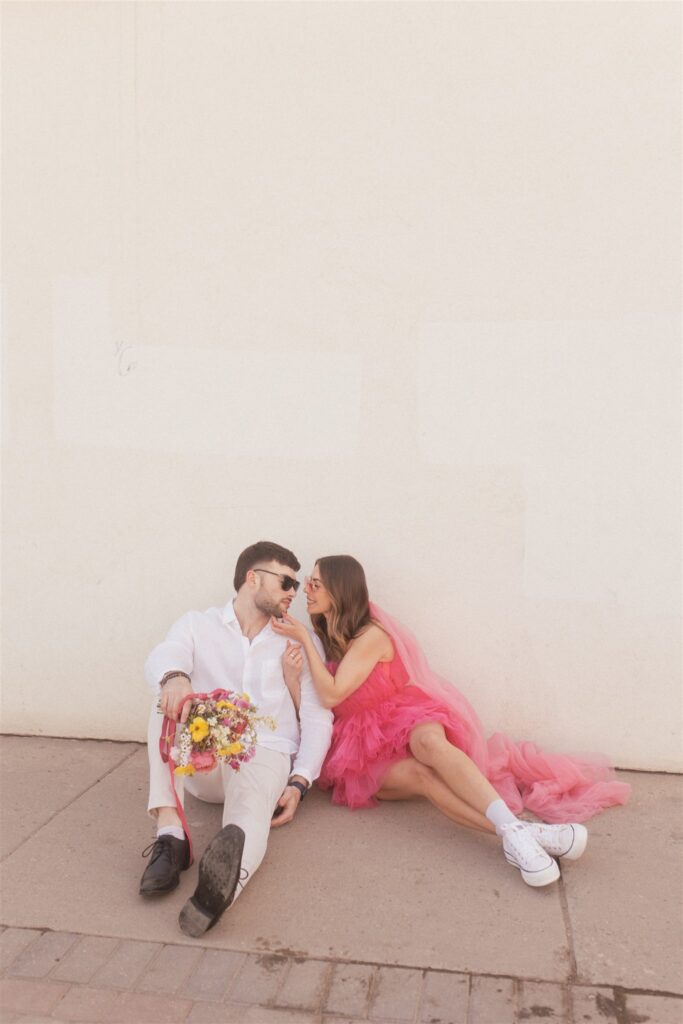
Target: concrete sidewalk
{"points": [[389, 915]]}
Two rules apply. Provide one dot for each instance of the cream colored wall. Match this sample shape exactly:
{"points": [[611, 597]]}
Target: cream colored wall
{"points": [[400, 280]]}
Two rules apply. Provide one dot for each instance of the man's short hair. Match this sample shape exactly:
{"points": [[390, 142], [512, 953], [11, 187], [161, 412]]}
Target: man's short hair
{"points": [[263, 551]]}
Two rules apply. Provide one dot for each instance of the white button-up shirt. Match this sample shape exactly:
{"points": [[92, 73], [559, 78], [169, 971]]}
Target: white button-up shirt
{"points": [[211, 648]]}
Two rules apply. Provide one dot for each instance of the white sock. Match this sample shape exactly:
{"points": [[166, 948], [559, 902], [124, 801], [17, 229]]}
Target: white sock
{"points": [[499, 814], [171, 830]]}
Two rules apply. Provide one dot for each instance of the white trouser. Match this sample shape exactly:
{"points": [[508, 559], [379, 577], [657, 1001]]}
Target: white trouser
{"points": [[248, 796]]}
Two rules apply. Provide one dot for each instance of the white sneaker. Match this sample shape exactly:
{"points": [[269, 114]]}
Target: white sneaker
{"points": [[567, 841], [522, 851]]}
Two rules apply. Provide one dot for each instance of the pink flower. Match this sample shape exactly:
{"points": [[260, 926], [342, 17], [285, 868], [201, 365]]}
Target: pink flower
{"points": [[203, 760]]}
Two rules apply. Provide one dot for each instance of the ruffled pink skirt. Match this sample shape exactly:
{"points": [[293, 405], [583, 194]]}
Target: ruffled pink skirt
{"points": [[365, 744]]}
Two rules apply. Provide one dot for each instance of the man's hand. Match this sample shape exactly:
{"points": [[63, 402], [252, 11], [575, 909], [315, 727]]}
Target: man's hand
{"points": [[172, 692], [288, 802]]}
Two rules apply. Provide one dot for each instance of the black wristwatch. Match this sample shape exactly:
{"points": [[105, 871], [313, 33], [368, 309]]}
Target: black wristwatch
{"points": [[300, 786]]}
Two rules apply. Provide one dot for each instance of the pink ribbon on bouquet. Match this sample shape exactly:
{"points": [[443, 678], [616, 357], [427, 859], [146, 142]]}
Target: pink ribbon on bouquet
{"points": [[167, 741]]}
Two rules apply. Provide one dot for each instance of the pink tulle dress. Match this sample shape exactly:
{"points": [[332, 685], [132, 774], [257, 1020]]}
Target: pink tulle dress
{"points": [[372, 728]]}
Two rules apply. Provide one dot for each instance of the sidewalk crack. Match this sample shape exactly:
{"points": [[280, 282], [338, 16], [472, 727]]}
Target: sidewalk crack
{"points": [[61, 810], [569, 933]]}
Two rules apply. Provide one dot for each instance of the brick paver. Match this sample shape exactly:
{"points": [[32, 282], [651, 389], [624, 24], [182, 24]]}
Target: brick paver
{"points": [[656, 1009], [12, 942], [28, 996], [128, 961], [445, 997], [350, 990], [41, 956], [305, 984], [493, 1001], [85, 957], [334, 1019], [90, 1005], [152, 1009], [259, 979], [169, 970], [235, 1013], [395, 994], [593, 1006], [212, 976], [543, 1001]]}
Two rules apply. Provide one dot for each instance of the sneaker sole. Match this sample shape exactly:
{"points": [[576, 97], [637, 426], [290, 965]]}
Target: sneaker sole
{"points": [[219, 872], [546, 876]]}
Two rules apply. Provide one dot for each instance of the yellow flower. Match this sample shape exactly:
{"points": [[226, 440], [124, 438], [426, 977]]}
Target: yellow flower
{"points": [[232, 748], [199, 729], [225, 704], [185, 769]]}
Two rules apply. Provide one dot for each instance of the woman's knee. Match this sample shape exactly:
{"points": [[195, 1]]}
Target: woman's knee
{"points": [[427, 740]]}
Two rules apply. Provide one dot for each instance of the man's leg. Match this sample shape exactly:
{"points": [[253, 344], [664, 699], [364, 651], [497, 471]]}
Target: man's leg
{"points": [[169, 854], [232, 857], [161, 792], [251, 795]]}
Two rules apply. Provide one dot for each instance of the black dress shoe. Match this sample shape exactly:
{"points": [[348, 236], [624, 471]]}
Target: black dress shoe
{"points": [[168, 856], [219, 872]]}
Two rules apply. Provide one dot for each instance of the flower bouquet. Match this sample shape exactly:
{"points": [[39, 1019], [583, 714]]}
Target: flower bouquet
{"points": [[221, 727]]}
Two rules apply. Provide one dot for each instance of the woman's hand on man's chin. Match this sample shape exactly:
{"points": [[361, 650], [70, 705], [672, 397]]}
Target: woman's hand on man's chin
{"points": [[289, 627]]}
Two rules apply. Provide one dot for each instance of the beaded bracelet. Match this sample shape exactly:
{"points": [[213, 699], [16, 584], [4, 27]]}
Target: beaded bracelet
{"points": [[170, 675]]}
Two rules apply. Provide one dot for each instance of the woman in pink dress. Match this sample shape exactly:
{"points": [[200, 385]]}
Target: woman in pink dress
{"points": [[402, 732]]}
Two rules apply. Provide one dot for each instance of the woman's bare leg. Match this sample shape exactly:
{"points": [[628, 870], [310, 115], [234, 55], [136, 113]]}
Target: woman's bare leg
{"points": [[428, 744], [408, 779], [475, 795]]}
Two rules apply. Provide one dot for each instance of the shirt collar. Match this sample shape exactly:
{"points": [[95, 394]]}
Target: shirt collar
{"points": [[228, 614]]}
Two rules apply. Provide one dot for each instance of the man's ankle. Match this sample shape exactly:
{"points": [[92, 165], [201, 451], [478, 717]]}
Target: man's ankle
{"points": [[167, 817], [176, 831]]}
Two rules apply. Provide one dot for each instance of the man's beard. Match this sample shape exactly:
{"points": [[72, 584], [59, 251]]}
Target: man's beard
{"points": [[268, 606]]}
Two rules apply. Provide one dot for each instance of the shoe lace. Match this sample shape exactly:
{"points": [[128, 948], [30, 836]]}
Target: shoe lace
{"points": [[155, 848], [555, 836], [513, 827], [520, 838]]}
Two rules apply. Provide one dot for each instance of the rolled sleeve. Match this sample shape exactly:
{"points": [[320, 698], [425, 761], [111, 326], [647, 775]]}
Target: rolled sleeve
{"points": [[316, 727], [175, 653]]}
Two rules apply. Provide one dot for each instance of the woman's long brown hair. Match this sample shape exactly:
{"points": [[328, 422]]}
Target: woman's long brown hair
{"points": [[344, 579]]}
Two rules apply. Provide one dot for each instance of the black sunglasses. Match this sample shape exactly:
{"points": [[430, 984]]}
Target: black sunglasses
{"points": [[286, 582]]}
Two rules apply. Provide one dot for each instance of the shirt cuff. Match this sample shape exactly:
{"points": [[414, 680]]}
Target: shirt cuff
{"points": [[303, 772]]}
